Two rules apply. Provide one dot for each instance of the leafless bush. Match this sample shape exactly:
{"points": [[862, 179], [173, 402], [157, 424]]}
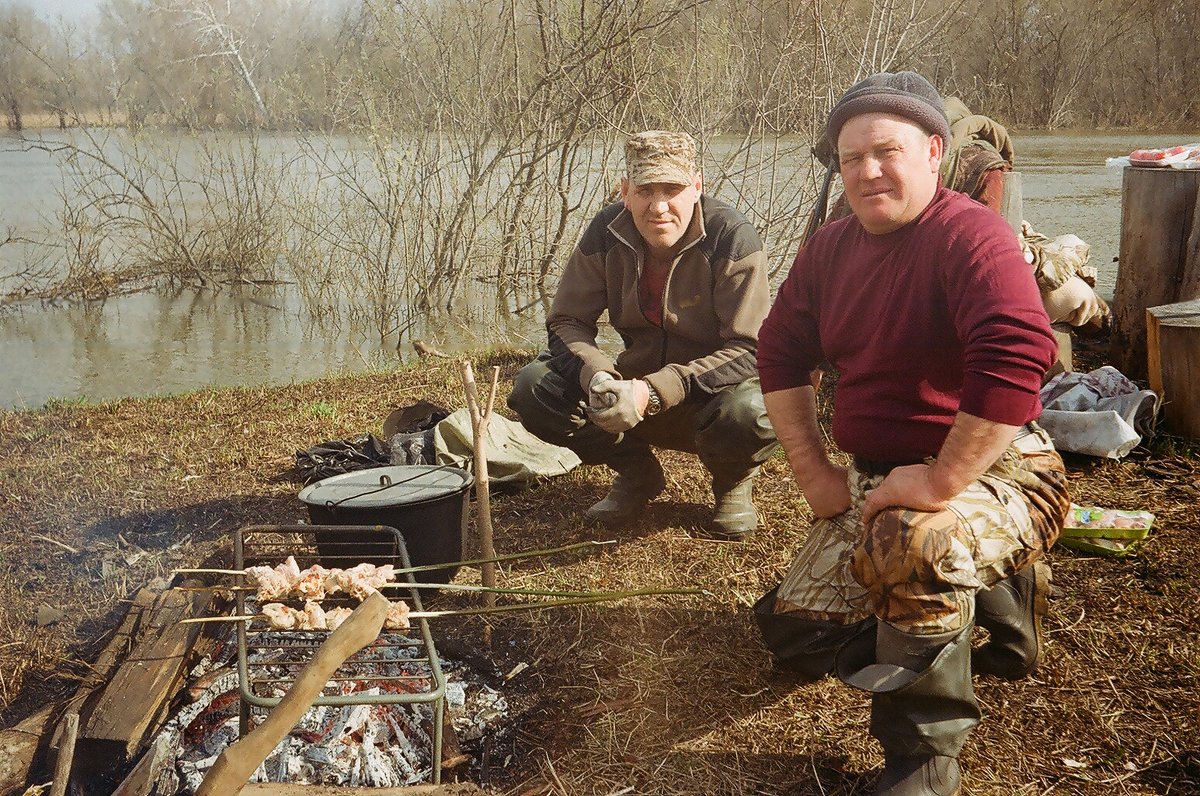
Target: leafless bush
{"points": [[136, 213]]}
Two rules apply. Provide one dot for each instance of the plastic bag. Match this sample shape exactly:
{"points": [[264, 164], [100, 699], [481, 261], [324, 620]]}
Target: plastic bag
{"points": [[342, 456]]}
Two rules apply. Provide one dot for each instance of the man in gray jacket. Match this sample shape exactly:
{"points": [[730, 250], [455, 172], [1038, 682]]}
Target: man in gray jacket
{"points": [[683, 279]]}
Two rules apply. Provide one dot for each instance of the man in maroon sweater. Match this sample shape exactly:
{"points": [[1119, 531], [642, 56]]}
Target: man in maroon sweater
{"points": [[923, 303]]}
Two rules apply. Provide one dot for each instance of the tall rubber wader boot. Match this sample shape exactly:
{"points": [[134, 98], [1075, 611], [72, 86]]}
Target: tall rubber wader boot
{"points": [[922, 706], [1012, 611], [639, 480]]}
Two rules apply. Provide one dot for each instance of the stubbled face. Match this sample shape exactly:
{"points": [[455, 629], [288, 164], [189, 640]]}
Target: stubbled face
{"points": [[661, 211], [889, 169]]}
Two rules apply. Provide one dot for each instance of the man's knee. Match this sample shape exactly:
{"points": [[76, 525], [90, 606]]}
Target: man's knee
{"points": [[543, 400], [918, 569], [521, 399], [736, 425]]}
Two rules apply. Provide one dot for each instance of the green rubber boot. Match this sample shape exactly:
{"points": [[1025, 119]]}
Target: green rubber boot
{"points": [[639, 480], [922, 707], [1012, 611], [734, 516]]}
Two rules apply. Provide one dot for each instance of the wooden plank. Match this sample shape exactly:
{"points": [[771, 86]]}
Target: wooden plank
{"points": [[18, 748], [19, 745], [133, 704], [282, 789], [1158, 210], [66, 753], [1173, 338], [141, 780]]}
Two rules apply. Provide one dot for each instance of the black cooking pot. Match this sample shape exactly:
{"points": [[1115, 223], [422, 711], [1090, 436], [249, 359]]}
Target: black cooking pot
{"points": [[426, 503]]}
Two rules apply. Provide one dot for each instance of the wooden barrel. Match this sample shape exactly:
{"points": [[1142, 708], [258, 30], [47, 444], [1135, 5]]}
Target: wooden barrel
{"points": [[1160, 256]]}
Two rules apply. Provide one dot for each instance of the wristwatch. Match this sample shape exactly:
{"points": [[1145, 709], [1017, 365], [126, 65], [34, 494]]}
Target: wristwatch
{"points": [[654, 405]]}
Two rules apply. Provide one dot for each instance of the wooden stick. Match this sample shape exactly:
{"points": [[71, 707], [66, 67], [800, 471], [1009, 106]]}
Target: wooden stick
{"points": [[427, 567], [235, 765], [66, 755], [595, 597], [480, 418], [404, 585]]}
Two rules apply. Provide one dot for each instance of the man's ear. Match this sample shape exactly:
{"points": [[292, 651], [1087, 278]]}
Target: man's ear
{"points": [[699, 183], [624, 188], [936, 150]]}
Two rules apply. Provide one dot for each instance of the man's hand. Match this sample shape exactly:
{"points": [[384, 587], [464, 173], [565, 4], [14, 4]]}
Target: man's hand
{"points": [[599, 399], [908, 487], [827, 490], [623, 403]]}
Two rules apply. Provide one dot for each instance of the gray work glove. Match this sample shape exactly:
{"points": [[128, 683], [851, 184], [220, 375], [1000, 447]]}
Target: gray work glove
{"points": [[599, 399], [626, 407]]}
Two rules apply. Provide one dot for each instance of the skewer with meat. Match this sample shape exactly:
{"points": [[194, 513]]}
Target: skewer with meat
{"points": [[335, 616], [362, 580], [286, 581], [397, 616], [275, 583], [280, 616], [314, 583], [314, 617]]}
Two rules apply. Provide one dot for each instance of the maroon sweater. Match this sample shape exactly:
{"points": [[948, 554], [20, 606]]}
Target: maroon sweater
{"points": [[940, 315]]}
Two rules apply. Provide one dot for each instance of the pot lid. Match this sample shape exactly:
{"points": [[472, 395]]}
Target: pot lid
{"points": [[379, 487]]}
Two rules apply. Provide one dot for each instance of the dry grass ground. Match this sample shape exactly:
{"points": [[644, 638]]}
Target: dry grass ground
{"points": [[654, 696]]}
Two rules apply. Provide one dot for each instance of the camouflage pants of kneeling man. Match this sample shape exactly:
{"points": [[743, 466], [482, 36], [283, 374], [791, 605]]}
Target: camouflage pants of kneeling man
{"points": [[919, 571]]}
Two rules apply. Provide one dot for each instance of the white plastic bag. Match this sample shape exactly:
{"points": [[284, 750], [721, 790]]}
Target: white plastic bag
{"points": [[1101, 413]]}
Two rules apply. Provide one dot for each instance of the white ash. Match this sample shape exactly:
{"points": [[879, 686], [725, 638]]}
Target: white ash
{"points": [[354, 745]]}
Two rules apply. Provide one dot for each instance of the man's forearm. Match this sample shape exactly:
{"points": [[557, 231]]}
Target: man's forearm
{"points": [[793, 415], [971, 447]]}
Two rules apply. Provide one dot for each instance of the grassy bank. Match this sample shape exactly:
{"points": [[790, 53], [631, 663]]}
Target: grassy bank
{"points": [[657, 696]]}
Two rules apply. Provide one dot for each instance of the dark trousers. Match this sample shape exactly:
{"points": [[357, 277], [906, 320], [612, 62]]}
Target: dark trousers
{"points": [[728, 430]]}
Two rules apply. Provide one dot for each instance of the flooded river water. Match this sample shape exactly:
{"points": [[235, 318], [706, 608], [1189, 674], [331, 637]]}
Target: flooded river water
{"points": [[167, 343]]}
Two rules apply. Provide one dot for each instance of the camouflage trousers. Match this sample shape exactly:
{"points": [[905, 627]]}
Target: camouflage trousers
{"points": [[919, 571]]}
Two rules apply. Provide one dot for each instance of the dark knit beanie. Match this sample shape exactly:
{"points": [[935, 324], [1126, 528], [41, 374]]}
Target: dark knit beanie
{"points": [[904, 94]]}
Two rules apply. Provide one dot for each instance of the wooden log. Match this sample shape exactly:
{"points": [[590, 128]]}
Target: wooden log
{"points": [[1173, 343], [18, 749], [141, 780], [66, 754], [283, 789], [1158, 264], [19, 745], [1189, 283], [134, 703]]}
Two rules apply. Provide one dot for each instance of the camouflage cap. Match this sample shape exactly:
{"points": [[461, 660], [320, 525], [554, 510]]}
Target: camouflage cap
{"points": [[660, 156]]}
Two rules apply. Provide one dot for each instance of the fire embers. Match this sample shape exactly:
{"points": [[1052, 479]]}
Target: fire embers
{"points": [[357, 745]]}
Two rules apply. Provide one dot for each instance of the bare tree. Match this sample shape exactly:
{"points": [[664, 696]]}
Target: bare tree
{"points": [[219, 34]]}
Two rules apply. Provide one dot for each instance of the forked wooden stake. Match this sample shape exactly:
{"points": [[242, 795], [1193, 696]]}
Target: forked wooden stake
{"points": [[479, 426]]}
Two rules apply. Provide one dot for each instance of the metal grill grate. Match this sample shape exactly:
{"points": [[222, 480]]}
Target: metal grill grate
{"points": [[402, 666]]}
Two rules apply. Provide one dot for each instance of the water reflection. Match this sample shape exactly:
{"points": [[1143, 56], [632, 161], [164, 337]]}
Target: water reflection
{"points": [[168, 343]]}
